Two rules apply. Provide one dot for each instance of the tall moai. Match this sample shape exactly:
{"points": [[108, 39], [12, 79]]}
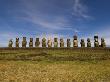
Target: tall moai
{"points": [[96, 43], [49, 43], [17, 43], [68, 43], [55, 42], [31, 43], [88, 42], [75, 41], [24, 42], [103, 44], [43, 42], [10, 45], [61, 42], [82, 43], [37, 42]]}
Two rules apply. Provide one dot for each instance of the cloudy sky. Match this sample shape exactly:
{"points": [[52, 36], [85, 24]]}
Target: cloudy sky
{"points": [[49, 18]]}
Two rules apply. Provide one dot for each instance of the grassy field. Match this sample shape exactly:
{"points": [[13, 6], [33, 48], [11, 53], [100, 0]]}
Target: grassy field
{"points": [[55, 71]]}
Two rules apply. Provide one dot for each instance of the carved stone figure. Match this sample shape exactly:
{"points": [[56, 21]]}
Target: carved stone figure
{"points": [[17, 43], [10, 43], [55, 42], [103, 44], [96, 43], [75, 41], [82, 43], [37, 42], [61, 43], [24, 42], [43, 42], [68, 43], [31, 43], [88, 42], [49, 43]]}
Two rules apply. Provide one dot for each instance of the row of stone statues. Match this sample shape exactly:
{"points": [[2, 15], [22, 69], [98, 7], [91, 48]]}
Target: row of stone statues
{"points": [[49, 43]]}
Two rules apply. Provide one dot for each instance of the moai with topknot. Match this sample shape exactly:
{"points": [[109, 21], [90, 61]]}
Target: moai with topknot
{"points": [[96, 43], [37, 42], [10, 45], [75, 41], [82, 43], [88, 42], [103, 44], [24, 42], [17, 43], [43, 42], [31, 43], [61, 43], [49, 43], [68, 43], [55, 42]]}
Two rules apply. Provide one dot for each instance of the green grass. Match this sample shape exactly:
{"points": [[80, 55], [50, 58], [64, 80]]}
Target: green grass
{"points": [[55, 71]]}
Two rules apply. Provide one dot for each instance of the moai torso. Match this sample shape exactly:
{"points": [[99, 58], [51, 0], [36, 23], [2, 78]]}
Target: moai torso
{"points": [[37, 43], [24, 42], [75, 41], [17, 43], [96, 43], [10, 44], [88, 42], [82, 43], [103, 44], [68, 43], [43, 42], [61, 43], [49, 43], [55, 42], [31, 43]]}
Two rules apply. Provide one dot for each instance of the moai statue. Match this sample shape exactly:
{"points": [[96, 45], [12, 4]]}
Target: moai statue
{"points": [[31, 43], [82, 43], [24, 42], [43, 42], [103, 44], [37, 43], [68, 43], [61, 43], [17, 43], [49, 43], [55, 42], [88, 42], [10, 45], [96, 43], [75, 41]]}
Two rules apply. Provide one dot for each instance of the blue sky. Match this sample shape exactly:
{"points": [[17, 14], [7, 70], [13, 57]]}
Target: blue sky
{"points": [[49, 18]]}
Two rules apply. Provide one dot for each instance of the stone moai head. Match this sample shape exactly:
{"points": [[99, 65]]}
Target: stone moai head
{"points": [[43, 42], [55, 39], [96, 43], [75, 41], [82, 43], [103, 44], [55, 42], [37, 39], [37, 43], [88, 42], [31, 39], [10, 43], [17, 42], [31, 43], [24, 42], [61, 42], [68, 43]]}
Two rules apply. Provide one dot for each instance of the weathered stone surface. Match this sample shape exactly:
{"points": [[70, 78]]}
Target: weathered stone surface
{"points": [[31, 43], [88, 42], [68, 43], [82, 43], [55, 42], [96, 43], [10, 45], [103, 44], [49, 43], [37, 42], [75, 41], [24, 42], [61, 43], [43, 42], [17, 43]]}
